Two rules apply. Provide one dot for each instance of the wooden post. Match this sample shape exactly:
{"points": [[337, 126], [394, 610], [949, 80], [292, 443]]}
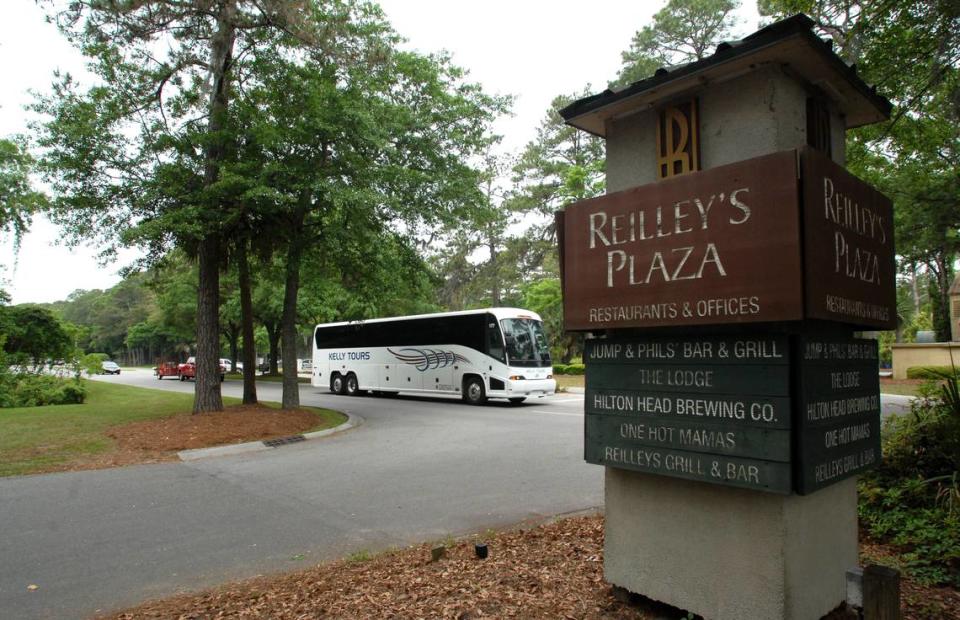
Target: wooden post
{"points": [[881, 593]]}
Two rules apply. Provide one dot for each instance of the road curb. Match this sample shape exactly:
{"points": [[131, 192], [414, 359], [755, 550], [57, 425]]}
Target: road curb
{"points": [[353, 421]]}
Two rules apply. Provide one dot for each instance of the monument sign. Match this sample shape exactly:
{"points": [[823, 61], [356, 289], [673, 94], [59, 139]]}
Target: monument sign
{"points": [[719, 285]]}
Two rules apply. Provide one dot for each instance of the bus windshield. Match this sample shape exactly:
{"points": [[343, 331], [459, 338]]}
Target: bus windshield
{"points": [[527, 345]]}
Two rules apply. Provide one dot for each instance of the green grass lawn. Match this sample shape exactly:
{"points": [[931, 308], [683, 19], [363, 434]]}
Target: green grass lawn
{"points": [[34, 439], [568, 381]]}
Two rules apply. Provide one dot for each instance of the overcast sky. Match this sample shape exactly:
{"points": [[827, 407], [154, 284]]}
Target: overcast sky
{"points": [[532, 49]]}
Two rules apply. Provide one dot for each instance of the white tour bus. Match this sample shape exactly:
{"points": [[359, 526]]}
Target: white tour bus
{"points": [[477, 354]]}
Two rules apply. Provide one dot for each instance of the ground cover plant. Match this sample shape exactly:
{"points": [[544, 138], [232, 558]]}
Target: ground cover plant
{"points": [[24, 381], [934, 373], [912, 500], [29, 389], [108, 429]]}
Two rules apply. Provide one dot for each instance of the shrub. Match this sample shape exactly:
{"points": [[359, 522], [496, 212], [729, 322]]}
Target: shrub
{"points": [[33, 390], [912, 500], [92, 363], [568, 369], [929, 372]]}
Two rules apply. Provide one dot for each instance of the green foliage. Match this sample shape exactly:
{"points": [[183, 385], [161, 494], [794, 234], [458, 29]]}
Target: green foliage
{"points": [[930, 372], [911, 51], [912, 500], [92, 363], [560, 166], [33, 390], [682, 31], [34, 334], [568, 369], [544, 297], [18, 200]]}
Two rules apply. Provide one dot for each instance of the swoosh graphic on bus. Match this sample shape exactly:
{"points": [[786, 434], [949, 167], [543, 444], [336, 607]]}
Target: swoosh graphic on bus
{"points": [[427, 359]]}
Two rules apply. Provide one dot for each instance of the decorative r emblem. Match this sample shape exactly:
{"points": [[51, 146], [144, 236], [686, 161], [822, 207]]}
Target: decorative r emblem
{"points": [[678, 140]]}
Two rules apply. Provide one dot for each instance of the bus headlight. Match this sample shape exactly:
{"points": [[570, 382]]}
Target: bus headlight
{"points": [[516, 378]]}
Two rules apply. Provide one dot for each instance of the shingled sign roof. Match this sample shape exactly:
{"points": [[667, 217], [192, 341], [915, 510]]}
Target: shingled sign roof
{"points": [[789, 43]]}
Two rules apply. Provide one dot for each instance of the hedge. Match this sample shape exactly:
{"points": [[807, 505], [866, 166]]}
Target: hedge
{"points": [[30, 390], [929, 372], [568, 369]]}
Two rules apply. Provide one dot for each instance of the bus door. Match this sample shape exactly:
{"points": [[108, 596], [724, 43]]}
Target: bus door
{"points": [[410, 377], [402, 374], [439, 373]]}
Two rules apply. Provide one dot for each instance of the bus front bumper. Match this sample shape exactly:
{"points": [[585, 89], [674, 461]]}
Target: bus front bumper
{"points": [[530, 388]]}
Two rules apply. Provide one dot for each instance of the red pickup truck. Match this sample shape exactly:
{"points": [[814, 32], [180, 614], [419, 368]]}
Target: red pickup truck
{"points": [[188, 369]]}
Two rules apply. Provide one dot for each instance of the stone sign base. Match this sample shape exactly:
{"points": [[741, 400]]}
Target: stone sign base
{"points": [[726, 553]]}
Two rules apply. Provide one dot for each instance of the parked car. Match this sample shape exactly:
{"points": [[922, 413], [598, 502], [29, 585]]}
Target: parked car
{"points": [[110, 367], [188, 370], [229, 364]]}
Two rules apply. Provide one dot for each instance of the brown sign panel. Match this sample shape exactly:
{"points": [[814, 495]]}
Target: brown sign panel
{"points": [[849, 267], [718, 246]]}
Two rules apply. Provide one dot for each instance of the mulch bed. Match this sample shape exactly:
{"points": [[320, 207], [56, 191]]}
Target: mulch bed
{"points": [[233, 425], [551, 571], [154, 441], [919, 602]]}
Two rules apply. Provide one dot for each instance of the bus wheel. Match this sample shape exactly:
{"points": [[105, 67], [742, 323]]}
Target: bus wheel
{"points": [[473, 391], [516, 401], [337, 384], [352, 388]]}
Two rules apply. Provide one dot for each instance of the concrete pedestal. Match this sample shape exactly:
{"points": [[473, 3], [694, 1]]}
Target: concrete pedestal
{"points": [[730, 554]]}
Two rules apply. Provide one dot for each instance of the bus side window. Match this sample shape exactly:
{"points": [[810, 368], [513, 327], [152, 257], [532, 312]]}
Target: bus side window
{"points": [[494, 341]]}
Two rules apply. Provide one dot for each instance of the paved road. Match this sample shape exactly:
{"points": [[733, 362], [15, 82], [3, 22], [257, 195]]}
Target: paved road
{"points": [[418, 469]]}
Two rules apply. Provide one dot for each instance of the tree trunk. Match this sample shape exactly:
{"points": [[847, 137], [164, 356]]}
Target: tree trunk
{"points": [[915, 289], [233, 335], [207, 394], [273, 336], [246, 322], [942, 268], [288, 322]]}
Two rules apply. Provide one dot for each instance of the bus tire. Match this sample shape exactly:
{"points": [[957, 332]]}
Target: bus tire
{"points": [[337, 383], [517, 400], [473, 391], [352, 388]]}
